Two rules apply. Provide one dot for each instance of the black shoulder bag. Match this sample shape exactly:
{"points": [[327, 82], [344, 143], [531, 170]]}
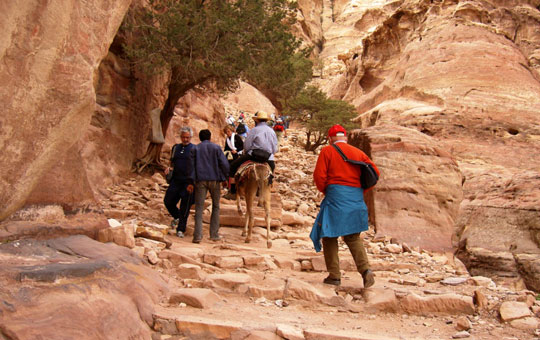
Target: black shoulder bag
{"points": [[168, 178], [260, 155], [368, 175]]}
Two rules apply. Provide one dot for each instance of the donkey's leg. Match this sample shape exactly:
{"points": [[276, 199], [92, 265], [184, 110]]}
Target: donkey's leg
{"points": [[239, 202], [247, 212], [246, 223], [266, 193], [250, 218]]}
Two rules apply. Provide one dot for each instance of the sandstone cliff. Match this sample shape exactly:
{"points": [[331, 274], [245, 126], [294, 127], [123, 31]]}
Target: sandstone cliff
{"points": [[448, 92], [448, 99], [49, 56], [466, 74]]}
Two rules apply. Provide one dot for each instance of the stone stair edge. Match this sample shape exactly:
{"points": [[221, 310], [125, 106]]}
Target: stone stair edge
{"points": [[194, 326]]}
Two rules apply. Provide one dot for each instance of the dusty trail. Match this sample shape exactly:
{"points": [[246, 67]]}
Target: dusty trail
{"points": [[247, 291]]}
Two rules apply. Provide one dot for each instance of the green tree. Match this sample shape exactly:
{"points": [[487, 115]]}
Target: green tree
{"points": [[281, 79], [317, 113], [211, 44]]}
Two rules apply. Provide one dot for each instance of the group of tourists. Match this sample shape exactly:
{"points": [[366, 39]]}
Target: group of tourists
{"points": [[240, 127], [197, 170], [279, 124], [205, 167]]}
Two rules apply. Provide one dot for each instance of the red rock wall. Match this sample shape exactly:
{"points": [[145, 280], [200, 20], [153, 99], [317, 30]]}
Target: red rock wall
{"points": [[466, 74], [49, 54]]}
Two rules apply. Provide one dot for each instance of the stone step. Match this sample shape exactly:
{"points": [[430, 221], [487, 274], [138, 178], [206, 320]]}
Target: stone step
{"points": [[350, 296], [171, 322], [213, 270]]}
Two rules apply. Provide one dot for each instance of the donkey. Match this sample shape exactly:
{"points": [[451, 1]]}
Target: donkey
{"points": [[253, 178]]}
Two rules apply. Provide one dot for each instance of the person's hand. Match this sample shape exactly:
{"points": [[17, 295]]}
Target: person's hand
{"points": [[166, 171], [234, 152], [189, 188]]}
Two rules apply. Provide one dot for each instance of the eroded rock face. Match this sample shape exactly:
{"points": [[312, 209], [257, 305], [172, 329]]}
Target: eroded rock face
{"points": [[81, 282], [504, 215], [208, 111], [198, 111], [49, 222], [466, 74], [248, 99], [419, 191], [49, 54], [120, 124]]}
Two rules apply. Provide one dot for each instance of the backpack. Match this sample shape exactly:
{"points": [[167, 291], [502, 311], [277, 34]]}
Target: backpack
{"points": [[368, 175], [241, 129], [169, 176]]}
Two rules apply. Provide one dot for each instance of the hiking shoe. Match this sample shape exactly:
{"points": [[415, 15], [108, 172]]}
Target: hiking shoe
{"points": [[369, 278], [196, 240], [230, 196], [174, 222], [180, 234], [331, 281], [216, 239]]}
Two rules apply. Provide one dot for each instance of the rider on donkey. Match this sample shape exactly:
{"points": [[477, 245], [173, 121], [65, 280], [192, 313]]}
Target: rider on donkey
{"points": [[260, 146]]}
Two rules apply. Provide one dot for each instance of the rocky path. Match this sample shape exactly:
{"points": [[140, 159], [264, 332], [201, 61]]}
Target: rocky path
{"points": [[233, 290]]}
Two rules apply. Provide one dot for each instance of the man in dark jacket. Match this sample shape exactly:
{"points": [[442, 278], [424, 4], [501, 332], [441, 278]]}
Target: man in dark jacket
{"points": [[181, 185], [211, 168]]}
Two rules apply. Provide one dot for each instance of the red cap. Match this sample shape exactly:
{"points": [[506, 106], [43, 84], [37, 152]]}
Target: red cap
{"points": [[337, 130]]}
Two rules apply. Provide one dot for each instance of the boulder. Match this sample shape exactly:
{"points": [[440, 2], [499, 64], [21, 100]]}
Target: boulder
{"points": [[526, 324], [438, 304], [196, 327], [463, 324], [289, 332], [512, 310], [304, 291], [190, 271], [230, 281], [80, 281], [120, 234], [321, 334], [230, 262], [195, 297], [381, 300], [89, 224]]}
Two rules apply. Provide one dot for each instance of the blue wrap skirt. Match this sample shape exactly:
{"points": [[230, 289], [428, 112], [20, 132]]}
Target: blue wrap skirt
{"points": [[343, 212]]}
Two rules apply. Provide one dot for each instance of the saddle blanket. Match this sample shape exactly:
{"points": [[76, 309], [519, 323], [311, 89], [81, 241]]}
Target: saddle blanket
{"points": [[243, 172]]}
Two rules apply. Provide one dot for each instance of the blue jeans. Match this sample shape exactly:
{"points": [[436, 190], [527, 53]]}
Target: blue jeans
{"points": [[177, 192], [201, 188]]}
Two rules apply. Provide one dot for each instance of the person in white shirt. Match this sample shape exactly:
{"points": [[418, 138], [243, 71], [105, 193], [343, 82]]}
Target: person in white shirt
{"points": [[230, 120]]}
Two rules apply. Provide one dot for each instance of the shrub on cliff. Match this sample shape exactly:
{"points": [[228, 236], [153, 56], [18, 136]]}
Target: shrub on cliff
{"points": [[213, 43], [317, 113]]}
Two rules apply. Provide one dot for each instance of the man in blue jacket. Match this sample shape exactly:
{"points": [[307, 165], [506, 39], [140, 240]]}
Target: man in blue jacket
{"points": [[181, 186], [211, 169]]}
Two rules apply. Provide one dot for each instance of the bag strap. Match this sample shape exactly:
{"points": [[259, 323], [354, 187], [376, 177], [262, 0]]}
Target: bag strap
{"points": [[340, 152], [171, 165], [346, 159]]}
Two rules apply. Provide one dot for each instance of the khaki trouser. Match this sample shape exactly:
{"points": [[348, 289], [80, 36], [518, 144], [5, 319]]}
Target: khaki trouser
{"points": [[331, 257]]}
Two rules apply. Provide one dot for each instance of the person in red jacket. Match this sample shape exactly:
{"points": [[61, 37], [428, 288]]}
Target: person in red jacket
{"points": [[343, 211]]}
